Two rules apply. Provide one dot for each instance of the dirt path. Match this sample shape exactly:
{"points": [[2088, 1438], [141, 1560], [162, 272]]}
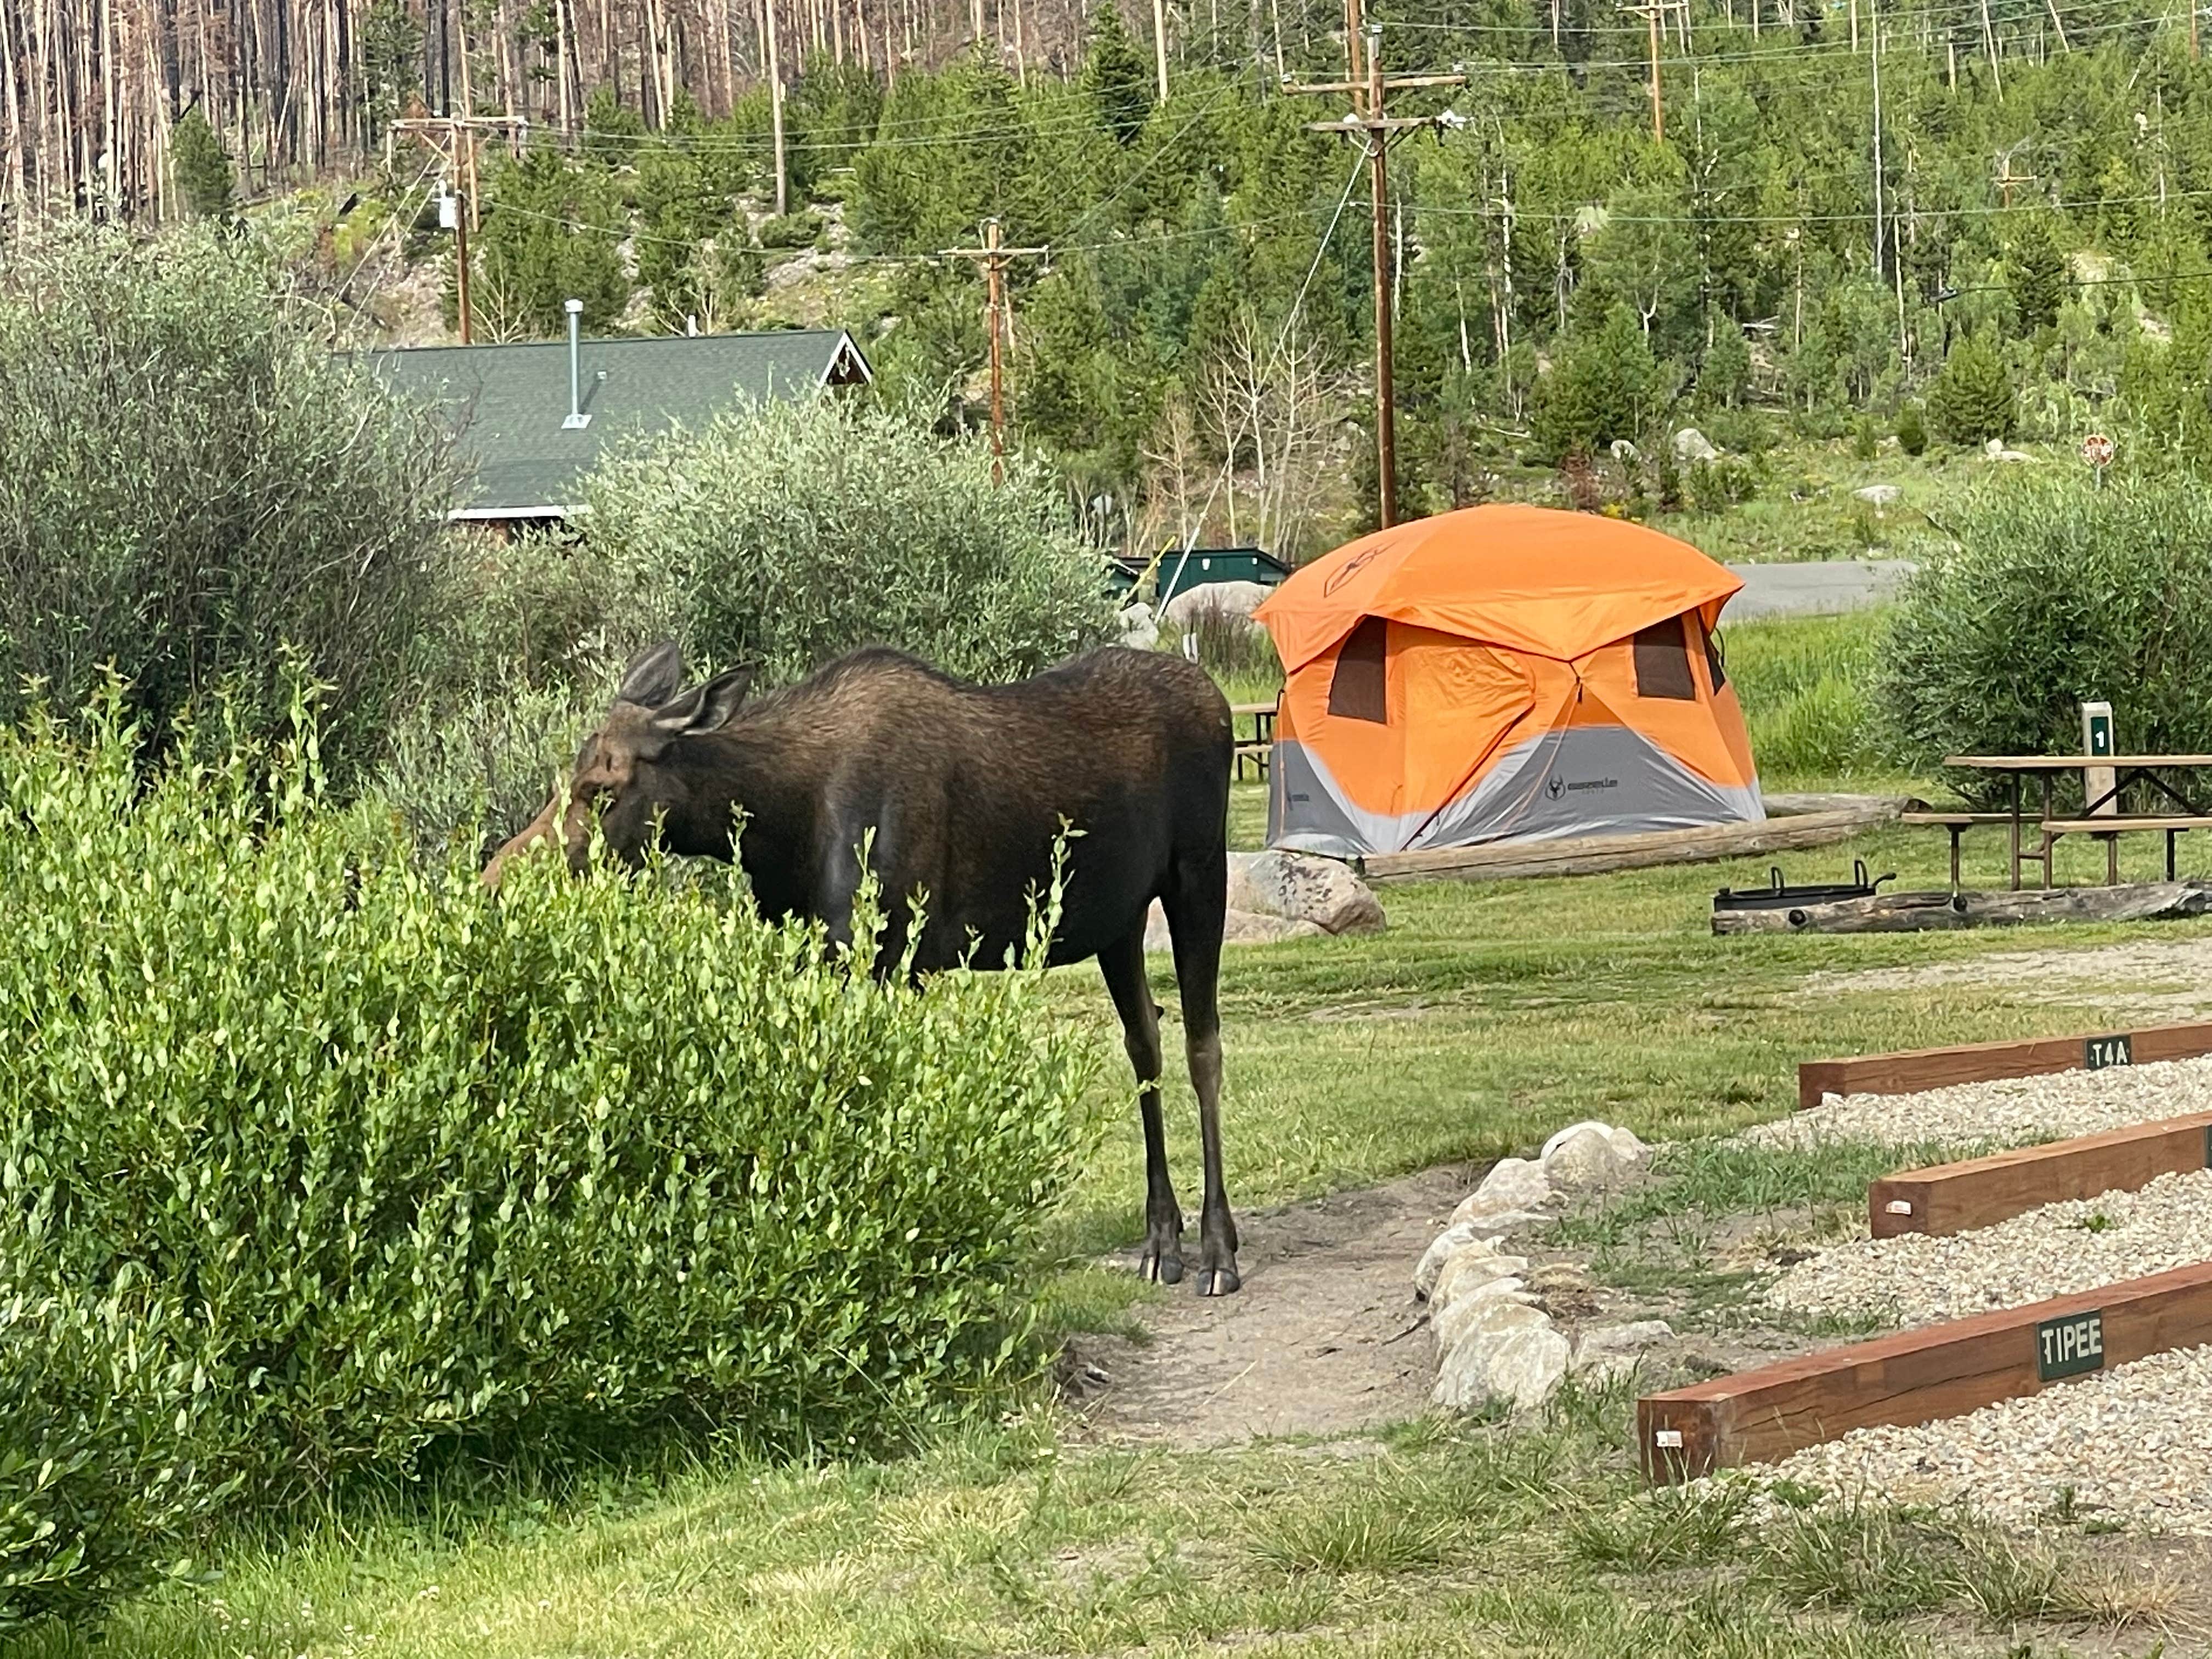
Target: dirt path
{"points": [[1325, 1338]]}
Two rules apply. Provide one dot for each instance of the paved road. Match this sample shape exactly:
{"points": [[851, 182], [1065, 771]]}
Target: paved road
{"points": [[1814, 590]]}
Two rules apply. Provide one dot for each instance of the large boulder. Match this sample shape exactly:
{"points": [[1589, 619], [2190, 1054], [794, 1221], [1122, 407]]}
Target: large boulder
{"points": [[1446, 1244], [1879, 494], [1238, 599], [1526, 1367], [1304, 888], [1502, 1306], [1470, 1269], [1691, 447], [1238, 928], [1513, 1183]]}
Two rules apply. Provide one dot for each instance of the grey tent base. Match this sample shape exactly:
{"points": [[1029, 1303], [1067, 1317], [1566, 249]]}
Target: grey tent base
{"points": [[1582, 780]]}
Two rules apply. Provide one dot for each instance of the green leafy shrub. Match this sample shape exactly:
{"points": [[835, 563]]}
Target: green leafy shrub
{"points": [[787, 537], [193, 484], [1972, 399], [2057, 592], [798, 230], [428, 1173], [98, 1496], [1911, 431]]}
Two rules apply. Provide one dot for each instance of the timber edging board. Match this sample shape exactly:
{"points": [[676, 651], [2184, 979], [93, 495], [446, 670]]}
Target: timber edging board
{"points": [[1918, 1375], [1952, 1198], [1974, 1062]]}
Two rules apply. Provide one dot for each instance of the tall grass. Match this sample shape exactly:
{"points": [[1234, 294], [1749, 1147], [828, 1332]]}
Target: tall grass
{"points": [[1803, 682]]}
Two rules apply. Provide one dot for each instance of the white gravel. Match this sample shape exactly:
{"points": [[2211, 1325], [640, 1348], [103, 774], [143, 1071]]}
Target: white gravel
{"points": [[2132, 1445], [1917, 1280], [2005, 1112]]}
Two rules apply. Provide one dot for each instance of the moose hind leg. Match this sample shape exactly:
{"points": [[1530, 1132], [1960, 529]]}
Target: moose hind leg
{"points": [[1196, 907], [1123, 965]]}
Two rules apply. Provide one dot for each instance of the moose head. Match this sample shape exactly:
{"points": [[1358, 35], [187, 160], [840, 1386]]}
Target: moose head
{"points": [[623, 770]]}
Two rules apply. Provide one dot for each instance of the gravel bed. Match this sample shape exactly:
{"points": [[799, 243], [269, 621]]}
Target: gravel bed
{"points": [[1917, 1280], [2133, 1445], [2004, 1112]]}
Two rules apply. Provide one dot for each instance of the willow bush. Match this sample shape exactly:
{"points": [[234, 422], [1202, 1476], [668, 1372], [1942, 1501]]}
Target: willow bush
{"points": [[192, 482], [2056, 592], [414, 1171], [788, 535]]}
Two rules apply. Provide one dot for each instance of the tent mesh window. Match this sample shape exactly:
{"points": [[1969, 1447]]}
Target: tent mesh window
{"points": [[1716, 660], [1663, 662], [1356, 690]]}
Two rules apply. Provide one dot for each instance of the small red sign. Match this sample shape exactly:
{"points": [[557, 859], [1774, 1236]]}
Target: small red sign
{"points": [[2097, 449]]}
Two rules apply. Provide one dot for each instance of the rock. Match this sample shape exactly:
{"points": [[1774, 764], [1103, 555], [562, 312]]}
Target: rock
{"points": [[1502, 1306], [1504, 1222], [1626, 452], [1513, 1183], [1305, 888], [1603, 1342], [1996, 450], [1446, 1244], [1147, 638], [1526, 1365], [1471, 1267], [1586, 1161], [1622, 1141], [1238, 927], [1879, 494], [1691, 446], [1238, 599]]}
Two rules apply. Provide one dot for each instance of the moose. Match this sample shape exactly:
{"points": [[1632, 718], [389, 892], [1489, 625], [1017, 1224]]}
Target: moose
{"points": [[960, 794]]}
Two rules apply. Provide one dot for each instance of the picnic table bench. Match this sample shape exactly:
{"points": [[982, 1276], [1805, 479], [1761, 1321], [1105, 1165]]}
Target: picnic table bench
{"points": [[1256, 748], [2100, 815]]}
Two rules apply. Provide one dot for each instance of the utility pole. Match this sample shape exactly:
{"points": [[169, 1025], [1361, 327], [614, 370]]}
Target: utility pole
{"points": [[775, 106], [1875, 57], [1374, 127], [1658, 113], [1160, 43], [994, 256], [453, 138]]}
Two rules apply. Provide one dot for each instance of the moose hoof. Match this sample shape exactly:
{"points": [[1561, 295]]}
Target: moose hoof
{"points": [[1218, 1281], [1156, 1268]]}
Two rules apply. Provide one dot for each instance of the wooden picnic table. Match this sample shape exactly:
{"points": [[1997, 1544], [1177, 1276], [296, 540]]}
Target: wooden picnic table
{"points": [[1263, 716], [2099, 816]]}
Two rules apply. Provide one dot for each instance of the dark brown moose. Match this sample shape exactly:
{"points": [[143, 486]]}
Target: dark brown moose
{"points": [[965, 790]]}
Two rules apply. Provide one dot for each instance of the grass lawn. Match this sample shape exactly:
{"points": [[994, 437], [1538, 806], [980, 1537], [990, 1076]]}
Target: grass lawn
{"points": [[1514, 1008]]}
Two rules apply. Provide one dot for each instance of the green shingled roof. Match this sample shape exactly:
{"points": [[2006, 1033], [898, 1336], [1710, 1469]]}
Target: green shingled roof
{"points": [[508, 402]]}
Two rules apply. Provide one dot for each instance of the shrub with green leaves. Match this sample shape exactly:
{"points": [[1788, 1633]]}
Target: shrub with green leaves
{"points": [[788, 535], [99, 1490], [425, 1171], [2057, 592], [193, 484]]}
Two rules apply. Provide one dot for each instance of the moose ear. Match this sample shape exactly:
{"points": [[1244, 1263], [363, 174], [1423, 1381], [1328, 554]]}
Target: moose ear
{"points": [[652, 676], [705, 708]]}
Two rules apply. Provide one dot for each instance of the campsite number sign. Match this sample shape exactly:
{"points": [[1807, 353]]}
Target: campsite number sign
{"points": [[2070, 1346], [2099, 1052]]}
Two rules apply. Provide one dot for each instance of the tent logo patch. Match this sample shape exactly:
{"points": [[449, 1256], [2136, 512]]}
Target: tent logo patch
{"points": [[1556, 788], [1559, 786]]}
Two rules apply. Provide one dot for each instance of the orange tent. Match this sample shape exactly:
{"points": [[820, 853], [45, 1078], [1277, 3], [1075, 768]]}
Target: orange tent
{"points": [[1502, 672]]}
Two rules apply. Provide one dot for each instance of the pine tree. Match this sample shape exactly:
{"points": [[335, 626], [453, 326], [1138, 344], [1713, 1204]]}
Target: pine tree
{"points": [[1911, 431], [1607, 385], [2036, 273], [1115, 76], [1972, 400], [204, 171]]}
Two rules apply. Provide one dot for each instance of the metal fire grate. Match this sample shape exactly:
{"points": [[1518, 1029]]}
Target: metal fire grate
{"points": [[1778, 894]]}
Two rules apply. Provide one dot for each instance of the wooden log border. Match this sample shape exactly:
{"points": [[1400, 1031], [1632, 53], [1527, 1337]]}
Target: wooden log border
{"points": [[1919, 1376], [1953, 1198], [1932, 1068]]}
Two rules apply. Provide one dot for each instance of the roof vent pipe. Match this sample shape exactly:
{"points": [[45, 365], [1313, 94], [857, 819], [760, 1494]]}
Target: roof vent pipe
{"points": [[577, 418]]}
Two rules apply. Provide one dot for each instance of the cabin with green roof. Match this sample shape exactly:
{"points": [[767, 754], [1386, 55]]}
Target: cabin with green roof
{"points": [[527, 450]]}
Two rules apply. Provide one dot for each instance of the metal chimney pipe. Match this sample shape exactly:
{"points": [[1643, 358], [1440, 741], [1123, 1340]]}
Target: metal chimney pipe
{"points": [[577, 418]]}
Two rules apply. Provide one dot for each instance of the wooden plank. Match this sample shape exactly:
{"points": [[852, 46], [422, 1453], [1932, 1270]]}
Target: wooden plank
{"points": [[2112, 824], [1928, 912], [1915, 1376], [1586, 855], [1980, 1192], [1913, 1070]]}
